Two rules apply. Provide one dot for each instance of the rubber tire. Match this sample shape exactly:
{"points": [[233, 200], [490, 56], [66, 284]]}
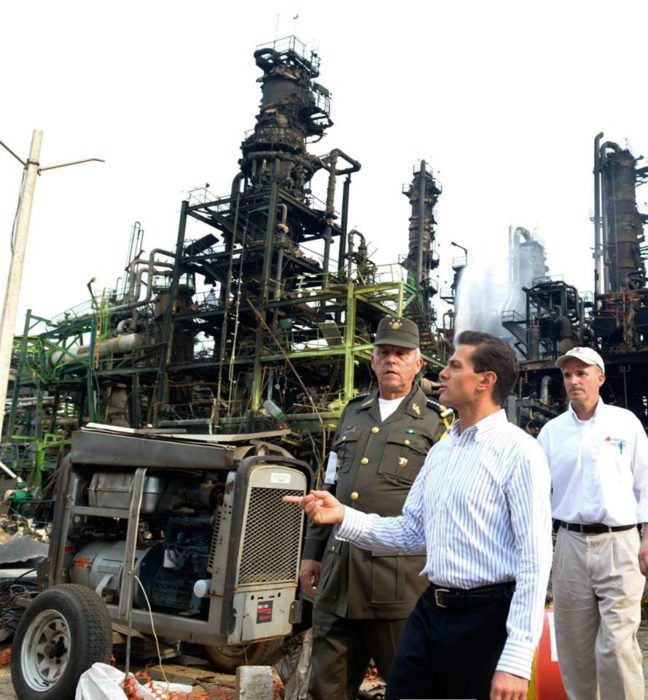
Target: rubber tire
{"points": [[227, 659], [90, 631]]}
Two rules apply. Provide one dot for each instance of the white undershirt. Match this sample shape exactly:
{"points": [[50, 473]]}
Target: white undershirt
{"points": [[388, 406]]}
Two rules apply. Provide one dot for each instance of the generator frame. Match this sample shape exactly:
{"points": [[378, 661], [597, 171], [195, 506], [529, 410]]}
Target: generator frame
{"points": [[232, 603]]}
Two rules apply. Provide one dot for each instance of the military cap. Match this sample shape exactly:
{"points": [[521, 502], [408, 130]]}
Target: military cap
{"points": [[394, 330]]}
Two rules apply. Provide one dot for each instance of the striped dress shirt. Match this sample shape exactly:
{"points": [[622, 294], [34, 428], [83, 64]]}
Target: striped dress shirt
{"points": [[480, 510]]}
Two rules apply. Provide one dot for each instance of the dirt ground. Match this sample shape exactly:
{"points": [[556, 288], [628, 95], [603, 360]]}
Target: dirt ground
{"points": [[221, 685], [643, 643], [6, 690]]}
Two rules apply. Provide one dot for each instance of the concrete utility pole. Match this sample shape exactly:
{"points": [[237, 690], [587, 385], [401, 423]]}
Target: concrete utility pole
{"points": [[19, 244]]}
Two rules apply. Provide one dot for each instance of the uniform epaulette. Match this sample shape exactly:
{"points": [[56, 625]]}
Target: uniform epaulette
{"points": [[442, 410], [359, 397]]}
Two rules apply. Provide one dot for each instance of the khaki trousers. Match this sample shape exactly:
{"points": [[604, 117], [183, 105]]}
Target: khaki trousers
{"points": [[597, 589]]}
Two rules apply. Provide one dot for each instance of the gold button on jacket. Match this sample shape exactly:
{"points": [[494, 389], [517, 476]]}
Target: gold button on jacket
{"points": [[377, 464]]}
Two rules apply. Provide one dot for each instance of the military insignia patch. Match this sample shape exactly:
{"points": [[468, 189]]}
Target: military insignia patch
{"points": [[402, 461], [395, 325], [416, 408]]}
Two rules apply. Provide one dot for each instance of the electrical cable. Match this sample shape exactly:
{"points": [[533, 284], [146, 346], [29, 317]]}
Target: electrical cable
{"points": [[15, 221], [9, 591], [155, 637]]}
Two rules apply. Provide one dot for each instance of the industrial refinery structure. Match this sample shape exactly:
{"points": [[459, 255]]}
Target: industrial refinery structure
{"points": [[614, 320], [282, 338]]}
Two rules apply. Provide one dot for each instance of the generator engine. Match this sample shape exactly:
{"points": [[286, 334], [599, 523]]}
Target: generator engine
{"points": [[193, 532]]}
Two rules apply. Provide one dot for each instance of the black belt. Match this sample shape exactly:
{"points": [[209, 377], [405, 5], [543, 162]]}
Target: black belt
{"points": [[593, 528], [471, 597]]}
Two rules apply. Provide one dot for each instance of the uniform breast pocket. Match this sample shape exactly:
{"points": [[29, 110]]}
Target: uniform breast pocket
{"points": [[403, 456], [345, 448]]}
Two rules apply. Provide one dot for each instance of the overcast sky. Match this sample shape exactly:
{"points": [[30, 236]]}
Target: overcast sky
{"points": [[503, 99]]}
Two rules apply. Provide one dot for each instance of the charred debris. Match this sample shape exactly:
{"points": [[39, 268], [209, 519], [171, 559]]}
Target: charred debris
{"points": [[282, 338]]}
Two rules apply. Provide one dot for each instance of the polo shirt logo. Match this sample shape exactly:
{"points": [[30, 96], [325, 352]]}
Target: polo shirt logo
{"points": [[616, 442]]}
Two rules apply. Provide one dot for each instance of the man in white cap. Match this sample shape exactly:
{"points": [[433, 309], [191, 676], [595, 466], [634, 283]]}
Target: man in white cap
{"points": [[598, 457]]}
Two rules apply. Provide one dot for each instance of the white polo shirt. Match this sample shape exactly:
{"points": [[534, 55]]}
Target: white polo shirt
{"points": [[599, 467]]}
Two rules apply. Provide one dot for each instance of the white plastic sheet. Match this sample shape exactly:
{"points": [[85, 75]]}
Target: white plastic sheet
{"points": [[103, 682]]}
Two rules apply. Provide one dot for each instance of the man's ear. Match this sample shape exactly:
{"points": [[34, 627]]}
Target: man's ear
{"points": [[487, 381]]}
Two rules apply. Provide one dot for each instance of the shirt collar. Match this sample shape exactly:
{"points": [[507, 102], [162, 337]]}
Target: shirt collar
{"points": [[482, 428], [596, 413], [413, 403]]}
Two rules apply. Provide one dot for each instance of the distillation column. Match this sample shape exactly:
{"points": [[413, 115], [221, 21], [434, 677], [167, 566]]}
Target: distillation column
{"points": [[622, 222], [422, 258]]}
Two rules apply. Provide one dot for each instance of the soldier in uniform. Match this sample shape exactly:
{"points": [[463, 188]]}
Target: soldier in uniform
{"points": [[363, 598]]}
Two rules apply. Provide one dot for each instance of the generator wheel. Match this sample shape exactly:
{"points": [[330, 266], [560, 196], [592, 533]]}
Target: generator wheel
{"points": [[227, 659], [61, 634]]}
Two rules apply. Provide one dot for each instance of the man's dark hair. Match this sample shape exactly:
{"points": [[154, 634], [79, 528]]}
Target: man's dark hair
{"points": [[492, 354]]}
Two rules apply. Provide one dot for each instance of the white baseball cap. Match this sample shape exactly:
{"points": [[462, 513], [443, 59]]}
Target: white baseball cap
{"points": [[586, 355]]}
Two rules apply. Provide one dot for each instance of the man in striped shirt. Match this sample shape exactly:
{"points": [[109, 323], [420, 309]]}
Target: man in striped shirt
{"points": [[480, 511]]}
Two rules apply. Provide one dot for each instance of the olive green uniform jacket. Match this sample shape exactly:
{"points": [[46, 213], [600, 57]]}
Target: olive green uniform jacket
{"points": [[377, 464]]}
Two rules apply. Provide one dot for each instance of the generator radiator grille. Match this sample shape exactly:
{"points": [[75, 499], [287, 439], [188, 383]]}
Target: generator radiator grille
{"points": [[270, 547]]}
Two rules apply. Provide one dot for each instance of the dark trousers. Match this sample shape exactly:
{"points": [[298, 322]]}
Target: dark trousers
{"points": [[448, 652], [342, 650]]}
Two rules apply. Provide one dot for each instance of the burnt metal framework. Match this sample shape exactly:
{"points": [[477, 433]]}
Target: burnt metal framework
{"points": [[615, 320], [282, 339], [618, 223], [552, 320], [423, 194]]}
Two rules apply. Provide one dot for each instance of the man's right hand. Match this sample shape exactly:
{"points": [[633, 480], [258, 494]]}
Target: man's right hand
{"points": [[643, 550], [320, 506], [309, 573]]}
